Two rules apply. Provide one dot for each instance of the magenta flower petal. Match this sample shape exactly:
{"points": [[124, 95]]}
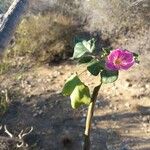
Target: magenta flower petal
{"points": [[126, 66], [110, 66], [119, 59], [128, 56], [114, 54]]}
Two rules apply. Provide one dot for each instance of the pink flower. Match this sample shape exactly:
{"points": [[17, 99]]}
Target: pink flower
{"points": [[119, 59]]}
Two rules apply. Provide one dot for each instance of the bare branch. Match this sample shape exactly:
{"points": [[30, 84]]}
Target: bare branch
{"points": [[20, 139], [20, 145], [31, 129], [8, 133], [6, 96], [137, 2], [20, 134]]}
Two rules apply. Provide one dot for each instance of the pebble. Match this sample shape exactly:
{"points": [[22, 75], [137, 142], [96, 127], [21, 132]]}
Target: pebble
{"points": [[110, 106], [127, 105], [145, 119], [84, 115], [115, 108], [56, 74], [126, 131], [147, 86], [82, 120], [40, 112], [128, 84], [142, 89], [145, 125], [35, 114], [148, 130], [39, 80]]}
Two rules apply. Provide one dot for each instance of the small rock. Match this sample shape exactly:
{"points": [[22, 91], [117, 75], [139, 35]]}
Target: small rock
{"points": [[115, 108], [127, 105], [147, 86], [126, 131], [39, 80], [145, 119], [35, 115], [110, 106], [148, 130], [40, 112], [145, 125], [56, 74], [82, 120], [84, 115], [128, 84], [142, 89]]}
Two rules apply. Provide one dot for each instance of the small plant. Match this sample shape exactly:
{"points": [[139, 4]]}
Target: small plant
{"points": [[105, 65]]}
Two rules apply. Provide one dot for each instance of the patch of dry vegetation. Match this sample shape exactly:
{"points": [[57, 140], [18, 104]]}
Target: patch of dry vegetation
{"points": [[3, 102], [42, 37]]}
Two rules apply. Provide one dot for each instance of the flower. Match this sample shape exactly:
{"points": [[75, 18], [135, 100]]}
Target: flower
{"points": [[119, 59]]}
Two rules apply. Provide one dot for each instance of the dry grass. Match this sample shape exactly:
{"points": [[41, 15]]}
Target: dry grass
{"points": [[42, 37], [3, 102]]}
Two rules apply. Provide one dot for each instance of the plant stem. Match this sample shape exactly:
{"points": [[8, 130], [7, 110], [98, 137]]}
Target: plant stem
{"points": [[89, 118]]}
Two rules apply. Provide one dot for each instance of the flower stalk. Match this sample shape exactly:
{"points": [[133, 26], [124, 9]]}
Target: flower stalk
{"points": [[90, 112], [107, 65]]}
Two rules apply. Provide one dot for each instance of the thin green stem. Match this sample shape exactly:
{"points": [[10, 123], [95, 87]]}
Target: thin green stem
{"points": [[89, 118]]}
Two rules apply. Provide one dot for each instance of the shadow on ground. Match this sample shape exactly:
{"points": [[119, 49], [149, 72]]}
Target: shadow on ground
{"points": [[58, 127]]}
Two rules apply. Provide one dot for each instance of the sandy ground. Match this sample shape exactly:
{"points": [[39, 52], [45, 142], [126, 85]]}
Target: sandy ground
{"points": [[121, 119]]}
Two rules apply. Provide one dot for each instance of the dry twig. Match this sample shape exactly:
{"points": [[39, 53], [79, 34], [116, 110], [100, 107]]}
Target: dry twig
{"points": [[20, 137]]}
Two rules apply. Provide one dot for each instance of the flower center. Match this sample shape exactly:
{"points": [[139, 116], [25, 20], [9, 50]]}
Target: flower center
{"points": [[118, 61]]}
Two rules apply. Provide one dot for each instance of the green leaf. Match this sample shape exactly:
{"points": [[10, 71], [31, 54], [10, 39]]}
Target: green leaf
{"points": [[105, 52], [136, 58], [80, 96], [70, 84], [85, 59], [94, 67], [90, 45], [81, 48], [108, 76]]}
